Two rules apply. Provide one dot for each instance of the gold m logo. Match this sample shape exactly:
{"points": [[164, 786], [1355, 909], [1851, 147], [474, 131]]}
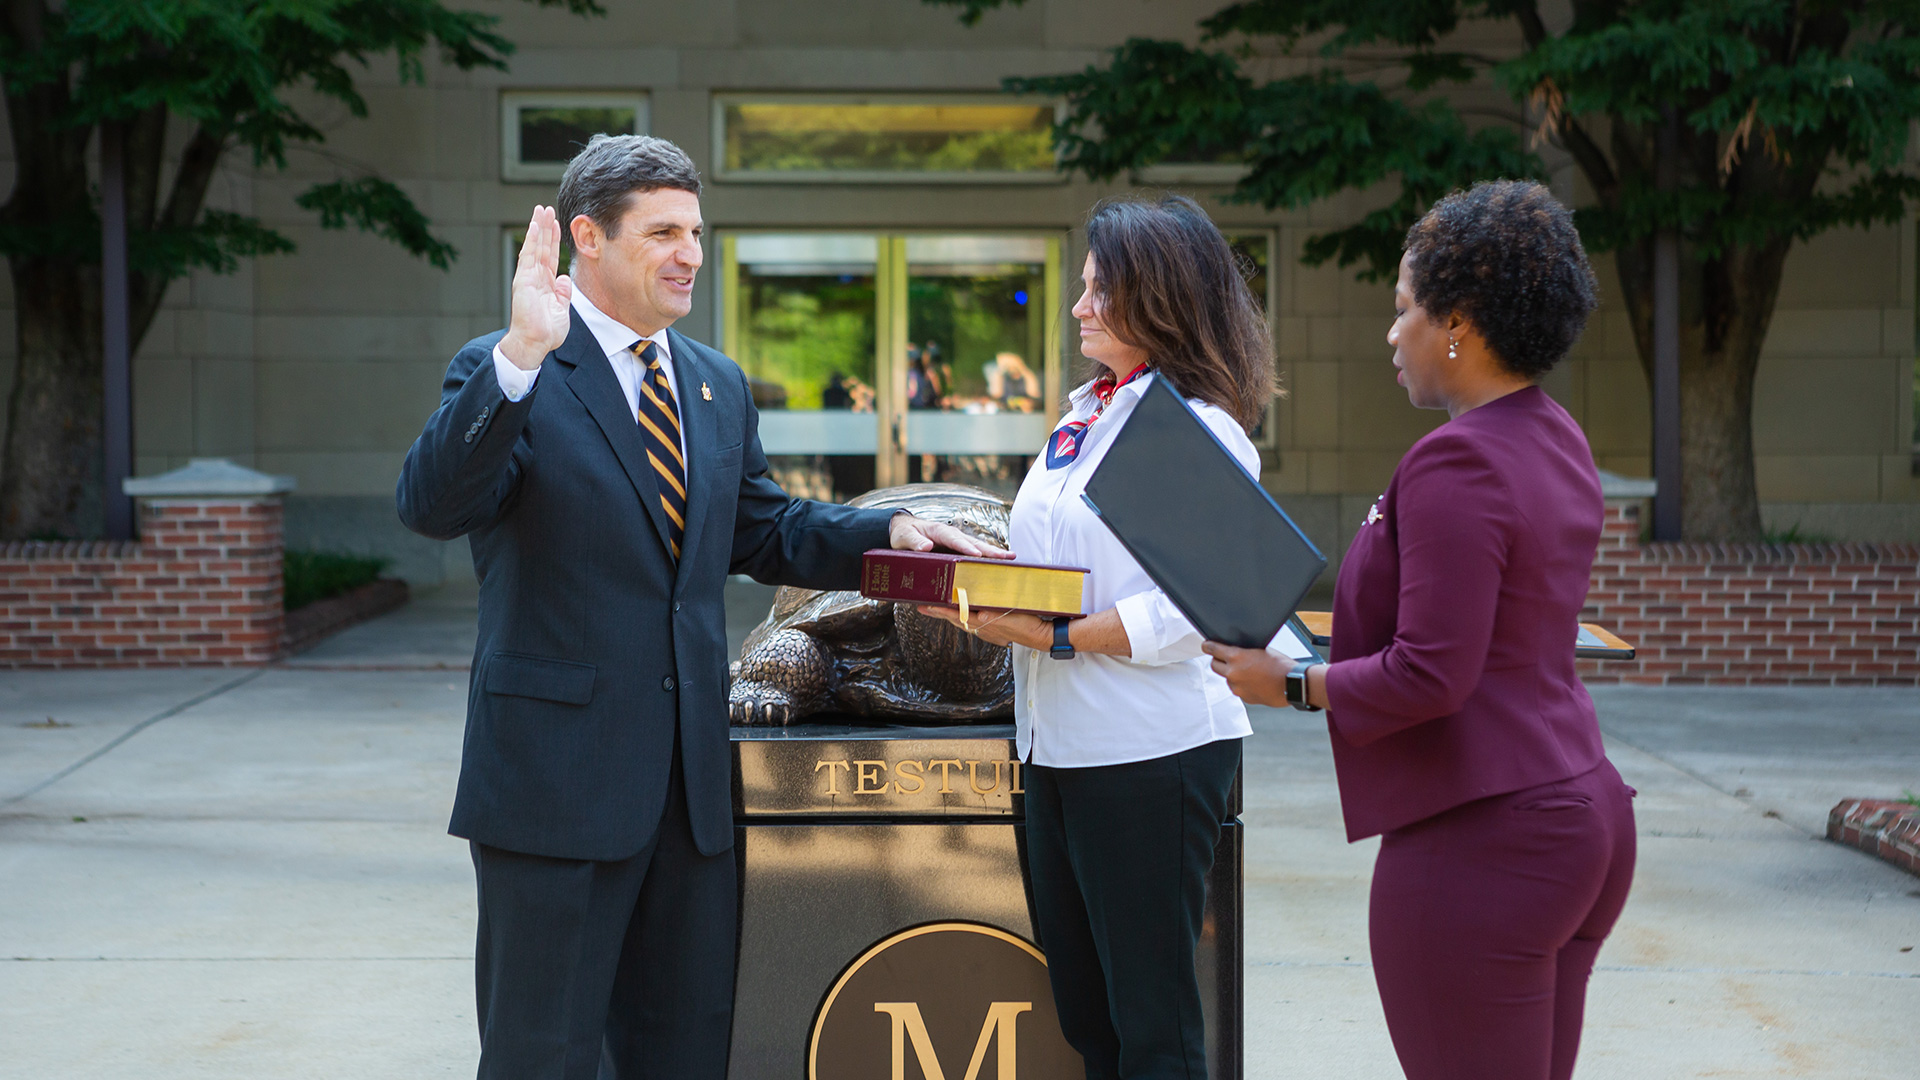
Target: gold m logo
{"points": [[908, 1024], [928, 994]]}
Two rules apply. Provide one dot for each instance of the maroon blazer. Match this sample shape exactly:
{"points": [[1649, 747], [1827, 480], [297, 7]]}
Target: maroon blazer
{"points": [[1452, 675]]}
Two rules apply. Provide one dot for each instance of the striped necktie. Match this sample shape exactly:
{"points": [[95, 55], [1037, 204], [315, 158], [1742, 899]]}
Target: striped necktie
{"points": [[660, 427]]}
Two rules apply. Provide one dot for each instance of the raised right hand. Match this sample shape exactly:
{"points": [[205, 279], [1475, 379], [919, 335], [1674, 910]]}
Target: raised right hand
{"points": [[542, 299]]}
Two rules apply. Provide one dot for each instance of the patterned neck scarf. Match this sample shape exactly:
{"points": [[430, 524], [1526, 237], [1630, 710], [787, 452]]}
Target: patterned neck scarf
{"points": [[1064, 444]]}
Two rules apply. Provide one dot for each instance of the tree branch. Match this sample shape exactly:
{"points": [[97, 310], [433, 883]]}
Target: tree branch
{"points": [[198, 163], [146, 147], [1573, 138], [1592, 160], [1532, 29]]}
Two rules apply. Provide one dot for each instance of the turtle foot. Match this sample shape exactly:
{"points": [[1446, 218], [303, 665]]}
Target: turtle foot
{"points": [[756, 704]]}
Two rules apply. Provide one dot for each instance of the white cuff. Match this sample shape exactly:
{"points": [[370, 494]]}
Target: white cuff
{"points": [[1157, 633], [1143, 644], [515, 381]]}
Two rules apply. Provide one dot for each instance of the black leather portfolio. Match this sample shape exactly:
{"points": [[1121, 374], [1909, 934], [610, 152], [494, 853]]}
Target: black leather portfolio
{"points": [[1207, 533]]}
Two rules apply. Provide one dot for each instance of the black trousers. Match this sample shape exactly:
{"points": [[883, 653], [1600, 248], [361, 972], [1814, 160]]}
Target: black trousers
{"points": [[611, 970], [1119, 856]]}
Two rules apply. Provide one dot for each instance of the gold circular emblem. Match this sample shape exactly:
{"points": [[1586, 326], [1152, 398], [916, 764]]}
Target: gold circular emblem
{"points": [[944, 1001]]}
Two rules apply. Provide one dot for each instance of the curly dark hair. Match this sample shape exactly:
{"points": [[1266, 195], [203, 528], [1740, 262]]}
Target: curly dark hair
{"points": [[1505, 254]]}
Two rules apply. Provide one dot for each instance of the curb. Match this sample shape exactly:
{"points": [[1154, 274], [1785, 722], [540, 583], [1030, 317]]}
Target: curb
{"points": [[1887, 828], [308, 626]]}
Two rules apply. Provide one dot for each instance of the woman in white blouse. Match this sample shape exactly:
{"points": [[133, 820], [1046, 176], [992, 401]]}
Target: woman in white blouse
{"points": [[1132, 741]]}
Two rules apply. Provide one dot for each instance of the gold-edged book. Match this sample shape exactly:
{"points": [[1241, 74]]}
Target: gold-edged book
{"points": [[1594, 642], [962, 581]]}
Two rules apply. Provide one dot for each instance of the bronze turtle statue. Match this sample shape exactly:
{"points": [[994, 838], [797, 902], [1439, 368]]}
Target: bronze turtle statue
{"points": [[839, 652]]}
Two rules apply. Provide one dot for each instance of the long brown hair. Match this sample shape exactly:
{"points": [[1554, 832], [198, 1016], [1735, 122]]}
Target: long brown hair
{"points": [[1170, 285]]}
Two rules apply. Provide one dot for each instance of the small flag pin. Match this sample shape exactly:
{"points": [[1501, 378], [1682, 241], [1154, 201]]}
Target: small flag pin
{"points": [[705, 393]]}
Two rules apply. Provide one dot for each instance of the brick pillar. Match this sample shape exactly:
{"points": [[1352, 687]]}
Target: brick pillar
{"points": [[201, 586], [216, 580], [212, 540]]}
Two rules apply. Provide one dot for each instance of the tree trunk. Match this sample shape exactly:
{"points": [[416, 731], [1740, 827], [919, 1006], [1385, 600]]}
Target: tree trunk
{"points": [[53, 462], [1726, 306], [50, 487]]}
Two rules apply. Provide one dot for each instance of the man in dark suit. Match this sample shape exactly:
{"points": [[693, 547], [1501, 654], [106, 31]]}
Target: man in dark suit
{"points": [[609, 476]]}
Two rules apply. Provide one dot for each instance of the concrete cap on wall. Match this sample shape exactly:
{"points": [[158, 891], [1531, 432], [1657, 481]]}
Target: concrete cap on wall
{"points": [[203, 477], [1615, 486]]}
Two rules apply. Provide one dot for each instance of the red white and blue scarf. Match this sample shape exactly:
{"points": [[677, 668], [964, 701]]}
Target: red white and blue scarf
{"points": [[1064, 444]]}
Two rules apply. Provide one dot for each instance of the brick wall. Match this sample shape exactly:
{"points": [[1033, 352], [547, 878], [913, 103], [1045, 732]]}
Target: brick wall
{"points": [[201, 586], [1746, 614]]}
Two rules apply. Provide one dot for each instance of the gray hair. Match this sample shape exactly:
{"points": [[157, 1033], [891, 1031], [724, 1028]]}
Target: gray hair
{"points": [[600, 179]]}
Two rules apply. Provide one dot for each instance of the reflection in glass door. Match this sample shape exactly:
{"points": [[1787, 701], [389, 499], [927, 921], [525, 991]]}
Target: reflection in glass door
{"points": [[800, 315], [981, 375], [886, 359]]}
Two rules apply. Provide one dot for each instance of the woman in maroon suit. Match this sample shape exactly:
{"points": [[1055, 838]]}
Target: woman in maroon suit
{"points": [[1462, 735]]}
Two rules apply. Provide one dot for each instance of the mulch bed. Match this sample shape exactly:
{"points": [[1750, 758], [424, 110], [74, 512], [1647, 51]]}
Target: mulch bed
{"points": [[308, 626]]}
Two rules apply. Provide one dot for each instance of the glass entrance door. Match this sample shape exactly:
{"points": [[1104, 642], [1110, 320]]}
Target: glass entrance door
{"points": [[801, 320], [883, 359], [982, 381]]}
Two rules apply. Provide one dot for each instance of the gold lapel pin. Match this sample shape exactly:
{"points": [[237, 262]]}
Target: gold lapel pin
{"points": [[705, 393]]}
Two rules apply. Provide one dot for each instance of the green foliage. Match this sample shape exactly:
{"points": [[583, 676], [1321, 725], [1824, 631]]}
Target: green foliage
{"points": [[316, 575], [378, 207], [224, 68], [215, 243], [801, 330], [1793, 117]]}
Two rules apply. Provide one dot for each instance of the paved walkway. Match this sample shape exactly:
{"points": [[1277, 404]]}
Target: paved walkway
{"points": [[246, 875]]}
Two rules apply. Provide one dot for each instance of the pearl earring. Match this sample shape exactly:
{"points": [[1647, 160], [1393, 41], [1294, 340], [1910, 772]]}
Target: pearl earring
{"points": [[1453, 349]]}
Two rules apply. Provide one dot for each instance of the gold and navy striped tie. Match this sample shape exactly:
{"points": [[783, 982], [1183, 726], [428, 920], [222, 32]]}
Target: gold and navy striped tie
{"points": [[660, 428]]}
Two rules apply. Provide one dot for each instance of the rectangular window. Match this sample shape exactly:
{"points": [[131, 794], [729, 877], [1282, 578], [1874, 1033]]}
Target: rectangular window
{"points": [[540, 131], [864, 140]]}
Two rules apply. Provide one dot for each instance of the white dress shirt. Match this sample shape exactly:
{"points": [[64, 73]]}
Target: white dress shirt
{"points": [[616, 340], [1105, 710]]}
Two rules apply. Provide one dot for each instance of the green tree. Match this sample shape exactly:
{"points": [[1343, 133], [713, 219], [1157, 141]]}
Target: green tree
{"points": [[221, 75], [1793, 119]]}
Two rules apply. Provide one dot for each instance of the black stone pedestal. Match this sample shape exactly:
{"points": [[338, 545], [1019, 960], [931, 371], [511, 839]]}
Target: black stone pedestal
{"points": [[885, 914]]}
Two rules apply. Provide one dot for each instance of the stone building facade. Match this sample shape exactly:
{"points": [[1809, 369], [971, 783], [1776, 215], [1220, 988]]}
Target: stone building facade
{"points": [[323, 364]]}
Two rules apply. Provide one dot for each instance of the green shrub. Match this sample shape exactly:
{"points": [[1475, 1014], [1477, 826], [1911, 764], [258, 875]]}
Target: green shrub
{"points": [[316, 575], [1793, 535]]}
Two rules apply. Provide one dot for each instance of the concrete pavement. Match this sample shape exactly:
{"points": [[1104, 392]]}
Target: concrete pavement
{"points": [[253, 879]]}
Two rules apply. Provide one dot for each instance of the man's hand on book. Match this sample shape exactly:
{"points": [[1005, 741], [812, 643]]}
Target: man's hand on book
{"points": [[909, 533], [997, 627]]}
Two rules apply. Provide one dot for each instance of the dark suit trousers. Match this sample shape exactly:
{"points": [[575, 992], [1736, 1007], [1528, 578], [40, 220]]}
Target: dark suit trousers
{"points": [[1118, 856], [617, 970], [1486, 919]]}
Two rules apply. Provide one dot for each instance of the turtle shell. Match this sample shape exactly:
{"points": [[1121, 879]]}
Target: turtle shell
{"points": [[877, 658]]}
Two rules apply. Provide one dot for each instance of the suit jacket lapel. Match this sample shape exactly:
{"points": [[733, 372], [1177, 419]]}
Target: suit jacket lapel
{"points": [[696, 422], [595, 384]]}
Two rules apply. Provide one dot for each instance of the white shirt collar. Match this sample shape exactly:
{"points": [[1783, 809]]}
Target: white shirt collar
{"points": [[614, 337]]}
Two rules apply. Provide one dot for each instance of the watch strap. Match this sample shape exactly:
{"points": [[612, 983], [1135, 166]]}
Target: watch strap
{"points": [[1297, 687], [1062, 646]]}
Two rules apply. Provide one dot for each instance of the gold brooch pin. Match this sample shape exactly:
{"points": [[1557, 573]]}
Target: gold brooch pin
{"points": [[1374, 514], [705, 393]]}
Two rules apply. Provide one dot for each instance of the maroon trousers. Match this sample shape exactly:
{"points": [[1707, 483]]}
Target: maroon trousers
{"points": [[1486, 919]]}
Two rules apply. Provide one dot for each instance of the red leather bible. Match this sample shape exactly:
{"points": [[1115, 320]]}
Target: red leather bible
{"points": [[930, 577]]}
